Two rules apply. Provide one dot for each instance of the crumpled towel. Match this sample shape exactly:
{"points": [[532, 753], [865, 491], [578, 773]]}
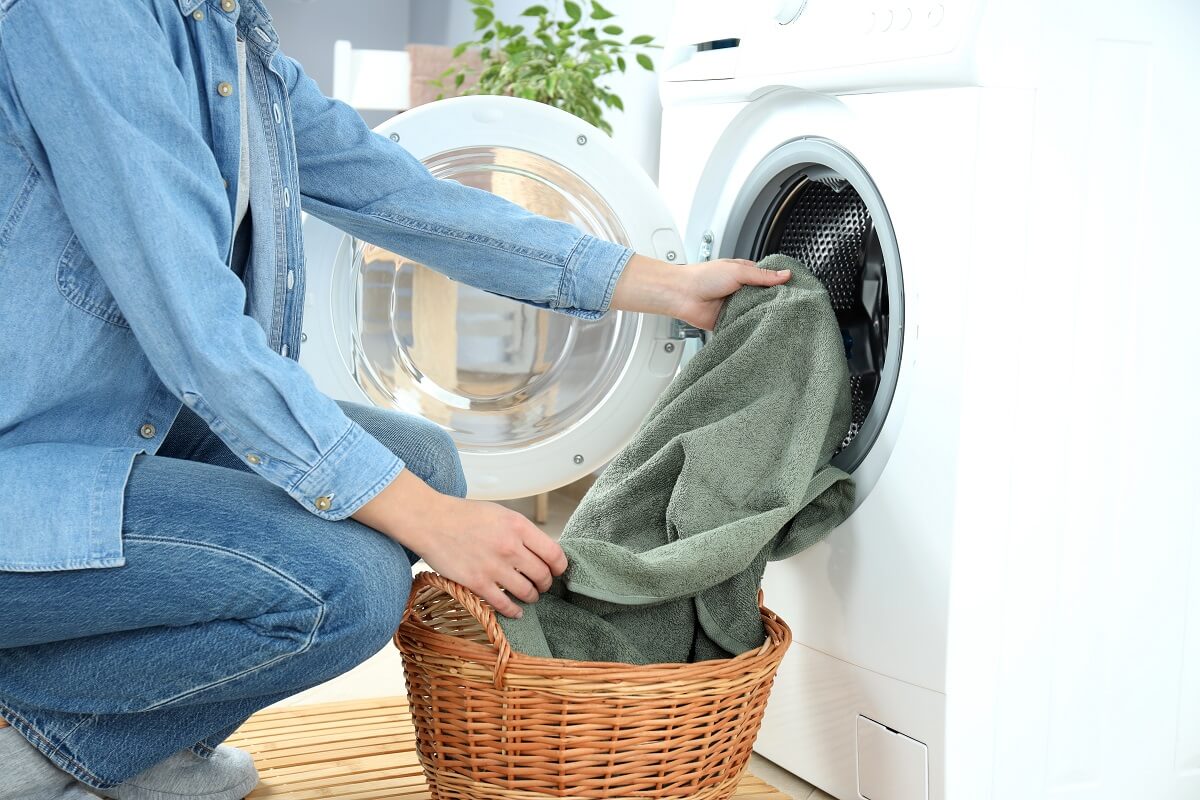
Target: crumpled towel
{"points": [[730, 469]]}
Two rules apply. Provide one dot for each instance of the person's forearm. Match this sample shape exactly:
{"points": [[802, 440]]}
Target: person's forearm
{"points": [[401, 510], [649, 285], [492, 550]]}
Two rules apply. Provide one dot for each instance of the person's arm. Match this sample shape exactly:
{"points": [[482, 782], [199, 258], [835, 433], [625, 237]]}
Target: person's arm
{"points": [[98, 103], [372, 188]]}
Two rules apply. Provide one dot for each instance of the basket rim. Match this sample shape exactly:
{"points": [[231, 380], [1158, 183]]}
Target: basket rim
{"points": [[779, 637]]}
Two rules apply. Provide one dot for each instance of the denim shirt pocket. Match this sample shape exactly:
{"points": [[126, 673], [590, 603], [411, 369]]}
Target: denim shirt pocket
{"points": [[80, 283]]}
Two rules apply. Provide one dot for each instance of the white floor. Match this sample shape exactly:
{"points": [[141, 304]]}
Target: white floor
{"points": [[381, 675]]}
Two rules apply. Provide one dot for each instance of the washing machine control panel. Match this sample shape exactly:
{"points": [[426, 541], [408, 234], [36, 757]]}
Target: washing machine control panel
{"points": [[826, 45]]}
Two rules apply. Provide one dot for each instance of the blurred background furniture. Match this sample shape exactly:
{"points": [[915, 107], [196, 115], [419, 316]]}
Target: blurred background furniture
{"points": [[377, 80]]}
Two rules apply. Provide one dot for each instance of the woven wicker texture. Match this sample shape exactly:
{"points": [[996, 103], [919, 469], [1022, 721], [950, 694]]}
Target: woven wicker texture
{"points": [[493, 723], [362, 750]]}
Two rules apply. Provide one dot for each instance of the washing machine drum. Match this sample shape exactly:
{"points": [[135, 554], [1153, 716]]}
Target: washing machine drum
{"points": [[824, 223], [533, 398]]}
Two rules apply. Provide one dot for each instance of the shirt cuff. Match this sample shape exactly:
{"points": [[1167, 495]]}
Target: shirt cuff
{"points": [[591, 275], [352, 472]]}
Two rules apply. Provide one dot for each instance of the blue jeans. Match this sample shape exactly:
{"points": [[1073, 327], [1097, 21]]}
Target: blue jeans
{"points": [[233, 596]]}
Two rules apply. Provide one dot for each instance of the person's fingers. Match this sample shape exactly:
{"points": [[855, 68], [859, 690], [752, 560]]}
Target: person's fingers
{"points": [[532, 567], [751, 275], [518, 585], [500, 601], [546, 549]]}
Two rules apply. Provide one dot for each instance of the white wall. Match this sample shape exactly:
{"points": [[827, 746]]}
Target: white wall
{"points": [[636, 130]]}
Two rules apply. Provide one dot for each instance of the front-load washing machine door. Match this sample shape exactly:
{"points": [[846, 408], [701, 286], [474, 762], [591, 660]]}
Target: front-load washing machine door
{"points": [[534, 399]]}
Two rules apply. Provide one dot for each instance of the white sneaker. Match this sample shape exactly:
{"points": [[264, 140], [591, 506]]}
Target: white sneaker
{"points": [[26, 774], [229, 774]]}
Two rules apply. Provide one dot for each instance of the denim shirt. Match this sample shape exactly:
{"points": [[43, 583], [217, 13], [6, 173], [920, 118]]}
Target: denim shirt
{"points": [[119, 146]]}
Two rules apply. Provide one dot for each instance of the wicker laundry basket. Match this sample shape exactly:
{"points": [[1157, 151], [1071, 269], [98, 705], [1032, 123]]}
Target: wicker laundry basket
{"points": [[492, 723]]}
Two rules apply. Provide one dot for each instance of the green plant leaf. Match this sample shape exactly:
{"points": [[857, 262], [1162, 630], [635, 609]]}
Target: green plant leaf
{"points": [[599, 11], [560, 62], [460, 49]]}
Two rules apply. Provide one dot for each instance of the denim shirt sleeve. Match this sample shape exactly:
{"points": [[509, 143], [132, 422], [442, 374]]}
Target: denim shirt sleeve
{"points": [[373, 188], [143, 194]]}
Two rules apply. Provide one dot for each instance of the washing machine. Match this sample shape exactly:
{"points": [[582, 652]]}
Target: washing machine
{"points": [[999, 198]]}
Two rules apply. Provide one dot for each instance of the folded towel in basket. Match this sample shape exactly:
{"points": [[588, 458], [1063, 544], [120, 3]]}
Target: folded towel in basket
{"points": [[730, 469]]}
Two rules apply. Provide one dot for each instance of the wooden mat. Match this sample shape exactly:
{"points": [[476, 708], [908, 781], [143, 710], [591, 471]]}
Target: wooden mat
{"points": [[361, 750]]}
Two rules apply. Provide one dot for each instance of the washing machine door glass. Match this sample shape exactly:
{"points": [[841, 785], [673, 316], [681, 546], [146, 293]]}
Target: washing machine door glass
{"points": [[533, 398], [496, 373]]}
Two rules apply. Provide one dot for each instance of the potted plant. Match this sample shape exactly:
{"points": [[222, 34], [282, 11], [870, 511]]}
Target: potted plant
{"points": [[554, 58]]}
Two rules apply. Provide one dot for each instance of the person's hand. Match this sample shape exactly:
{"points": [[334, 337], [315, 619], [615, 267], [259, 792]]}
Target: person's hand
{"points": [[484, 546], [708, 284], [693, 293]]}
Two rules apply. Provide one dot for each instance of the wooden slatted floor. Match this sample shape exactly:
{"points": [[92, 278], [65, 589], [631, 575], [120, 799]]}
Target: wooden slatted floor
{"points": [[361, 750]]}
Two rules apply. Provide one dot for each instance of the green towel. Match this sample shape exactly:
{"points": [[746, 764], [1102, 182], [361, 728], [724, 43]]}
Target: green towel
{"points": [[730, 469]]}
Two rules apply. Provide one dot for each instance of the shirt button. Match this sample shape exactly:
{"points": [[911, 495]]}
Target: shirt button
{"points": [[226, 182], [253, 459], [323, 503], [283, 350], [147, 431], [228, 6], [291, 280], [287, 197], [224, 88], [278, 114], [198, 15]]}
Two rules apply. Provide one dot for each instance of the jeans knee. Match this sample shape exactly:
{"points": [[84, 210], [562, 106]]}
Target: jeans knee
{"points": [[424, 446], [364, 610], [433, 457], [447, 473]]}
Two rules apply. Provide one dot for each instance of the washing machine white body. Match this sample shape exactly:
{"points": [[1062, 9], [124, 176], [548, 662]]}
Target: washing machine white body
{"points": [[1013, 608]]}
